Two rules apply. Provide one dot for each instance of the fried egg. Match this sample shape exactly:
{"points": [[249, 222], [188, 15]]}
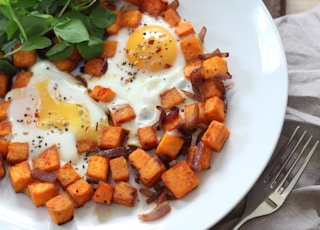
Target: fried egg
{"points": [[54, 108], [148, 61]]}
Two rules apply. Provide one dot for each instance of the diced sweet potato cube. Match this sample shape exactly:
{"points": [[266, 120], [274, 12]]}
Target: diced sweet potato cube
{"points": [[24, 59], [48, 160], [115, 27], [60, 208], [2, 169], [22, 79], [184, 28], [20, 176], [125, 194], [171, 124], [191, 48], [131, 18], [109, 49], [103, 193], [4, 105], [170, 145], [41, 192], [154, 7], [119, 169], [86, 145], [147, 137], [4, 144], [151, 173], [135, 2], [139, 158], [66, 175], [101, 93], [170, 98], [172, 17], [80, 191], [214, 66], [191, 66], [5, 128], [98, 168], [66, 65], [180, 179], [4, 80], [190, 109], [214, 109], [203, 157], [112, 137], [122, 115], [95, 67], [17, 152], [216, 135], [211, 88]]}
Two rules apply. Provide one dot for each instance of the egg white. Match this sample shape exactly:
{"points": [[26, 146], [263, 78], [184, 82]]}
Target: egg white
{"points": [[141, 92]]}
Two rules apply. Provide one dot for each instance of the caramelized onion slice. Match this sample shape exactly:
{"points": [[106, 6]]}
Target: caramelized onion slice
{"points": [[43, 175], [158, 212]]}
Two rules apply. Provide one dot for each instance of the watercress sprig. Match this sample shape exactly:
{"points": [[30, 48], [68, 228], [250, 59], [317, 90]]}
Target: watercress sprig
{"points": [[32, 23]]}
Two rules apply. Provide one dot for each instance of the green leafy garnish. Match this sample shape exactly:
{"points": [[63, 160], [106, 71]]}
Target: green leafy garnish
{"points": [[33, 24]]}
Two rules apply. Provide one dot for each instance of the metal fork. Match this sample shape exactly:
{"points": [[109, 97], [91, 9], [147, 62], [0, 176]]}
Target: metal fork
{"points": [[279, 178]]}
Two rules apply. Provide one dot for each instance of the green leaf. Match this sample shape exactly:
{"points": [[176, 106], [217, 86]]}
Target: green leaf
{"points": [[60, 51], [72, 31], [4, 2], [36, 25], [102, 17], [90, 49], [37, 43], [7, 67], [25, 4], [12, 29]]}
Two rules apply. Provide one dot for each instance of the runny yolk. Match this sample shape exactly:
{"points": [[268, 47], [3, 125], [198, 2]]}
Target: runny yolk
{"points": [[151, 48], [57, 114]]}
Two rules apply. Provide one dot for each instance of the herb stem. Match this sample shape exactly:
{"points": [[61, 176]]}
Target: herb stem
{"points": [[16, 20], [64, 8]]}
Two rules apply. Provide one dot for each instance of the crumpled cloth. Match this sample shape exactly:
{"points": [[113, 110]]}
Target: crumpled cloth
{"points": [[300, 34]]}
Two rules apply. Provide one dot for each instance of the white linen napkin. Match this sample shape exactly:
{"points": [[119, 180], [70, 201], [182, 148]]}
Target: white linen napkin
{"points": [[300, 35]]}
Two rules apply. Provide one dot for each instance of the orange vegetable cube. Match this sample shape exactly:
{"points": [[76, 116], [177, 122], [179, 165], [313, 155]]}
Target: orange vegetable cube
{"points": [[20, 176], [147, 137], [172, 17], [17, 152], [211, 88], [109, 49], [131, 18], [112, 137], [66, 175], [191, 48], [135, 2], [60, 208], [139, 158], [66, 65], [24, 59], [216, 135], [95, 67], [103, 193], [190, 67], [98, 167], [204, 157], [180, 179], [5, 128], [80, 191], [41, 192], [170, 98], [86, 145], [4, 80], [170, 145], [101, 93], [119, 169], [154, 7], [172, 123], [214, 109], [190, 109], [125, 194], [4, 148], [151, 172], [2, 169], [22, 79], [214, 66], [4, 105], [48, 160], [184, 28], [122, 115], [115, 27]]}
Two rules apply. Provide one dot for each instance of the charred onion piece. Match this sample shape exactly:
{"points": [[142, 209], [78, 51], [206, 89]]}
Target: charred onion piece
{"points": [[222, 77], [114, 152], [155, 195], [202, 33], [146, 192], [191, 121], [43, 175], [216, 52], [159, 211], [196, 82], [196, 157], [174, 5], [3, 166]]}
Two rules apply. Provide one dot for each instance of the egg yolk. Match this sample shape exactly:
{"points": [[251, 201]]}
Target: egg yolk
{"points": [[151, 48], [57, 114]]}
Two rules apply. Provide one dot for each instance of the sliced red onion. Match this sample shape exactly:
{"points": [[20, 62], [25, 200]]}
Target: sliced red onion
{"points": [[158, 212], [43, 175], [196, 82]]}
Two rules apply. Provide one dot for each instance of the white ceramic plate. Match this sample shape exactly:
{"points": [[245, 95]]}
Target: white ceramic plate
{"points": [[255, 116]]}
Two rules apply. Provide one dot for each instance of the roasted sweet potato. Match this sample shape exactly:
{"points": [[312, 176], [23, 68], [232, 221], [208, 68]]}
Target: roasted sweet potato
{"points": [[125, 194], [119, 169], [41, 192], [48, 160], [17, 152], [60, 208], [4, 105], [20, 176], [131, 18], [154, 7], [5, 128], [80, 191], [4, 144], [216, 135], [112, 137], [172, 17], [147, 137], [184, 28], [103, 193], [170, 98], [191, 48], [24, 59], [122, 114], [214, 109], [4, 79], [170, 145], [98, 168], [115, 27], [102, 94], [66, 175], [22, 79]]}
